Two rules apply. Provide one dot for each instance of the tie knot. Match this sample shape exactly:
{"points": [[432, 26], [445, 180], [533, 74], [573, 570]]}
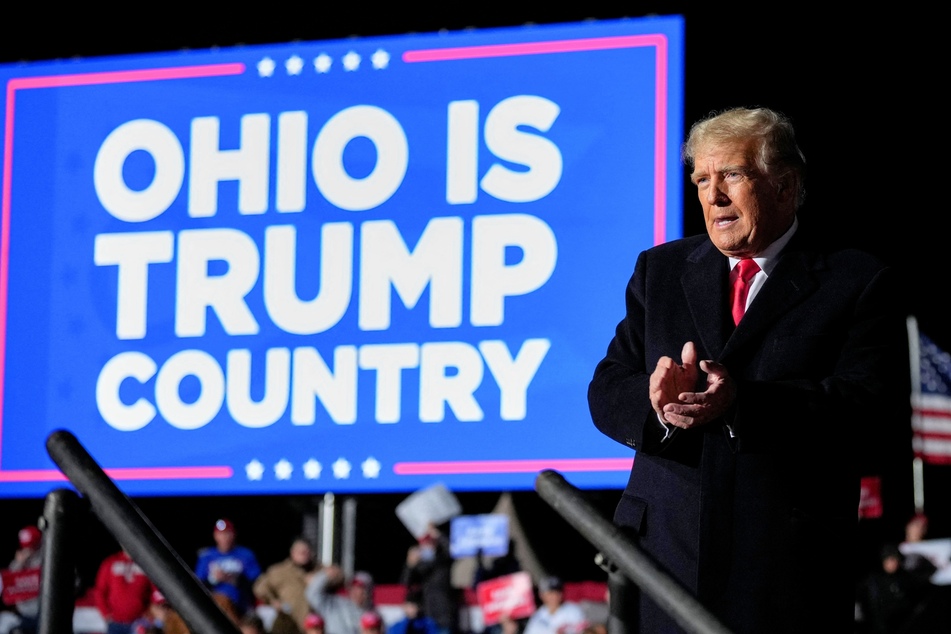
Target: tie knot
{"points": [[747, 269]]}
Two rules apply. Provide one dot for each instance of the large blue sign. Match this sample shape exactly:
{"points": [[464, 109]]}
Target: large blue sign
{"points": [[352, 266]]}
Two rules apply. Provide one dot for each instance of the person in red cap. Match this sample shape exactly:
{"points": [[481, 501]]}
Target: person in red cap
{"points": [[360, 590], [228, 568], [326, 596], [371, 622], [30, 538], [313, 624], [25, 566]]}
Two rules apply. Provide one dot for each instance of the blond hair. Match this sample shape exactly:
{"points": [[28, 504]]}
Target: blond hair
{"points": [[779, 155]]}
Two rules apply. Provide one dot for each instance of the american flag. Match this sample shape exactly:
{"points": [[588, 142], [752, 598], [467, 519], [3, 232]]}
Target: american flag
{"points": [[931, 404]]}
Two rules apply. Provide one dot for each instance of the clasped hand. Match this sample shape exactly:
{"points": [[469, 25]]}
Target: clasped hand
{"points": [[672, 388]]}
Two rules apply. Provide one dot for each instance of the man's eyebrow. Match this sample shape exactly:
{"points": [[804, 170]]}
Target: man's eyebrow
{"points": [[743, 168], [739, 167]]}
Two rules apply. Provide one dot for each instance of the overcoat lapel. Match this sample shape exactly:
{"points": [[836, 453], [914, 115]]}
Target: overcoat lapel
{"points": [[705, 285], [790, 283], [705, 282]]}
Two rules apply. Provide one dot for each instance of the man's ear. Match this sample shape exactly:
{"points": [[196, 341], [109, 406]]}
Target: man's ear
{"points": [[786, 187]]}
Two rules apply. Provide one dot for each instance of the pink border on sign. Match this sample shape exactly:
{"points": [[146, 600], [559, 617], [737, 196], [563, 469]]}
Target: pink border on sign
{"points": [[62, 81], [512, 466], [135, 473]]}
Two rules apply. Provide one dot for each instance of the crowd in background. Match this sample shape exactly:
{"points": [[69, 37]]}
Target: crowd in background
{"points": [[297, 595], [909, 592]]}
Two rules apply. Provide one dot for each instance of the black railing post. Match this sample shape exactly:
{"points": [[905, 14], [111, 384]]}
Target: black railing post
{"points": [[623, 599], [614, 544], [184, 592], [58, 576]]}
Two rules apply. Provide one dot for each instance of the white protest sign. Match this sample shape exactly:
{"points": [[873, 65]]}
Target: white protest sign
{"points": [[433, 505]]}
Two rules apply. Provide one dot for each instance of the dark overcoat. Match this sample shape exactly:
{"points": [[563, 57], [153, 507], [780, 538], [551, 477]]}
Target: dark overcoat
{"points": [[756, 513]]}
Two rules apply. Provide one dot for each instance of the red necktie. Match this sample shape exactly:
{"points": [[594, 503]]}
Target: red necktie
{"points": [[744, 273]]}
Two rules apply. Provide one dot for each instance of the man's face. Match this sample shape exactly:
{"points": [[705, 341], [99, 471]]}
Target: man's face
{"points": [[743, 211], [358, 593], [301, 553], [891, 564], [224, 540], [552, 599]]}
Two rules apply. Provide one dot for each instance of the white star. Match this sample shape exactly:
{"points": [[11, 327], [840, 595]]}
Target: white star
{"points": [[322, 63], [371, 468], [266, 67], [380, 59], [312, 469], [294, 65], [341, 469], [254, 470], [283, 469], [351, 61]]}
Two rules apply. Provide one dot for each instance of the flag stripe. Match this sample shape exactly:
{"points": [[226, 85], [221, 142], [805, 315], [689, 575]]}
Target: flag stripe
{"points": [[927, 424], [931, 404]]}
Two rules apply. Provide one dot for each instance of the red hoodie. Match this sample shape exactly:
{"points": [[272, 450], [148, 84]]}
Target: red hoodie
{"points": [[123, 592]]}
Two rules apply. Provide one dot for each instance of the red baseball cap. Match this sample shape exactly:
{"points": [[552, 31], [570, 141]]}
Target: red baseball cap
{"points": [[314, 620], [371, 620], [30, 537], [224, 526], [361, 578]]}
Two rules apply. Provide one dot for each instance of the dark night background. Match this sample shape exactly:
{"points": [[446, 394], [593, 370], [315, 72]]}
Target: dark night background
{"points": [[863, 89]]}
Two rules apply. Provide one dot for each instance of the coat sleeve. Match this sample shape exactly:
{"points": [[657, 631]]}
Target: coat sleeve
{"points": [[202, 566], [618, 393], [315, 594], [263, 589], [252, 569]]}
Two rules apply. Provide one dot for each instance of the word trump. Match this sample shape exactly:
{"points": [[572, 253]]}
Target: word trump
{"points": [[385, 261]]}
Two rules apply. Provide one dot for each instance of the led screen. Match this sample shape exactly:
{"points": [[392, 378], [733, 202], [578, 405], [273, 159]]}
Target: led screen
{"points": [[361, 265]]}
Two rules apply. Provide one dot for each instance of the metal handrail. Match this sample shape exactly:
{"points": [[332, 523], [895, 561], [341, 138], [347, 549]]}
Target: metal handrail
{"points": [[618, 548], [136, 534], [192, 599], [57, 583]]}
